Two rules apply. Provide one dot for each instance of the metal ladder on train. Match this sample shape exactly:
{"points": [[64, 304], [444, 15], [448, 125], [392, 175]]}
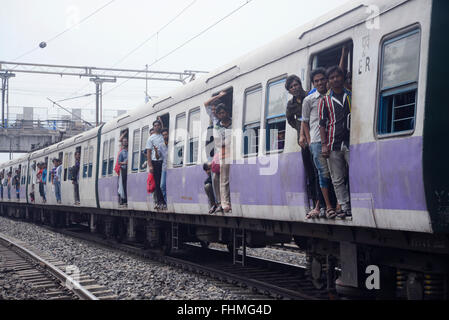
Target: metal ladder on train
{"points": [[239, 240], [175, 235]]}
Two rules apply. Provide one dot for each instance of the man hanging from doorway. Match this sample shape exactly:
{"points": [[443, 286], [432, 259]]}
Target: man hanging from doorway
{"points": [[335, 115]]}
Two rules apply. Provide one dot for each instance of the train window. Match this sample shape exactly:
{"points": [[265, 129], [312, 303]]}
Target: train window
{"points": [[69, 164], [251, 121], [111, 156], [194, 135], [105, 158], [398, 84], [143, 142], [85, 162], [275, 115], [91, 160], [136, 150], [46, 166], [22, 174], [180, 131]]}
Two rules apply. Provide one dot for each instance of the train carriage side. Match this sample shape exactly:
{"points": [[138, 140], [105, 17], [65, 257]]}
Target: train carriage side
{"points": [[40, 156], [86, 145], [108, 150]]}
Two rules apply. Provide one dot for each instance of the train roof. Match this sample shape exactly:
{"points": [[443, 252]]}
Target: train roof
{"points": [[348, 15], [339, 19]]}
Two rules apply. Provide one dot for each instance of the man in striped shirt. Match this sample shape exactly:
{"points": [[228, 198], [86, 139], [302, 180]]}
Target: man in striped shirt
{"points": [[335, 115]]}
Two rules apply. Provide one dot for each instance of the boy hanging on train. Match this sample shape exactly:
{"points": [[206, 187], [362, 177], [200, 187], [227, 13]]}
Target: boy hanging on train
{"points": [[334, 111], [154, 144], [293, 114], [311, 128]]}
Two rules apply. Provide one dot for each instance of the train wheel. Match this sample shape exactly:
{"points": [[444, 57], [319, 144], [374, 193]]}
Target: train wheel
{"points": [[166, 241], [317, 274]]}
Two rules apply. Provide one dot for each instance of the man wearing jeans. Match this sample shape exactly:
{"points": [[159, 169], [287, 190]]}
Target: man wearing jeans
{"points": [[311, 128], [155, 143], [335, 111]]}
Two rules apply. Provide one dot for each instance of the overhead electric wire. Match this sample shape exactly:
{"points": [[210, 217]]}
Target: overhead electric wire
{"points": [[185, 43], [146, 40], [66, 30]]}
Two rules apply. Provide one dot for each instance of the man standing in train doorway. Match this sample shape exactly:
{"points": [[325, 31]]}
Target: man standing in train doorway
{"points": [[222, 138], [293, 114], [155, 144], [123, 163], [75, 177], [311, 128], [335, 116]]}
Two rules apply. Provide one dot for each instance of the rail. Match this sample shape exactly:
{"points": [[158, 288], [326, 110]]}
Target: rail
{"points": [[61, 276]]}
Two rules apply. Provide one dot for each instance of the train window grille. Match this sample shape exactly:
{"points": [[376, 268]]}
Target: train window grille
{"points": [[85, 162], [398, 84], [69, 165], [22, 175], [194, 134], [91, 159], [178, 154], [136, 150], [111, 156], [277, 98], [143, 143], [105, 158], [66, 160], [251, 121]]}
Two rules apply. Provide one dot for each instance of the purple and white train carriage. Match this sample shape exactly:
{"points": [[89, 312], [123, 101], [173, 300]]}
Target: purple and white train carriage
{"points": [[398, 175]]}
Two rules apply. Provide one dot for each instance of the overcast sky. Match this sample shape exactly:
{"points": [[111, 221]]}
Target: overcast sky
{"points": [[107, 36]]}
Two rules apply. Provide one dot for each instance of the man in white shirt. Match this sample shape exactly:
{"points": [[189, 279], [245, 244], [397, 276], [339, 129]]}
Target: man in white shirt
{"points": [[311, 126], [155, 144]]}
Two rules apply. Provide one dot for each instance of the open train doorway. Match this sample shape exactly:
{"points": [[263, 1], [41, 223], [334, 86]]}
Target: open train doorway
{"points": [[336, 63], [227, 100]]}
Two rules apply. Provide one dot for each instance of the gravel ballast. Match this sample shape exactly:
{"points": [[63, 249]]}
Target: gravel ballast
{"points": [[129, 277]]}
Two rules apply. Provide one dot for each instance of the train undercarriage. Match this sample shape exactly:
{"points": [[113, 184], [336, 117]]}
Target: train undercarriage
{"points": [[354, 263]]}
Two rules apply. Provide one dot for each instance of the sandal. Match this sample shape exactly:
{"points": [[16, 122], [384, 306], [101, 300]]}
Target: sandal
{"points": [[330, 213], [212, 209], [227, 209], [313, 214], [219, 209]]}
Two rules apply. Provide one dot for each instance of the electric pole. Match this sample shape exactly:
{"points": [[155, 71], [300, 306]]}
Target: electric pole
{"points": [[99, 99], [5, 85]]}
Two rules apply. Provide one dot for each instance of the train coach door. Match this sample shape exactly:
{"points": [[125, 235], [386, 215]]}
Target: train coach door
{"points": [[227, 100], [340, 55]]}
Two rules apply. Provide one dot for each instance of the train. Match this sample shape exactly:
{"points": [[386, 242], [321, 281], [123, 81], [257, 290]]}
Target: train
{"points": [[398, 175]]}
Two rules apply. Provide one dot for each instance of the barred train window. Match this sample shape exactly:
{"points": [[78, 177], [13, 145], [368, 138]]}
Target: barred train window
{"points": [[66, 165], [136, 150], [111, 156], [143, 143], [277, 98], [399, 84], [251, 121], [180, 131], [194, 135], [85, 162], [91, 160], [105, 158]]}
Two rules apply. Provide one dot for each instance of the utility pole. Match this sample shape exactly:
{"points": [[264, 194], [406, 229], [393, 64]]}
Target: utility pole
{"points": [[5, 85], [146, 84], [99, 100]]}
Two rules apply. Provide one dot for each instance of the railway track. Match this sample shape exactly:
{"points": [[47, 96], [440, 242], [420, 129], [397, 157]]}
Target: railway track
{"points": [[262, 278], [45, 274]]}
